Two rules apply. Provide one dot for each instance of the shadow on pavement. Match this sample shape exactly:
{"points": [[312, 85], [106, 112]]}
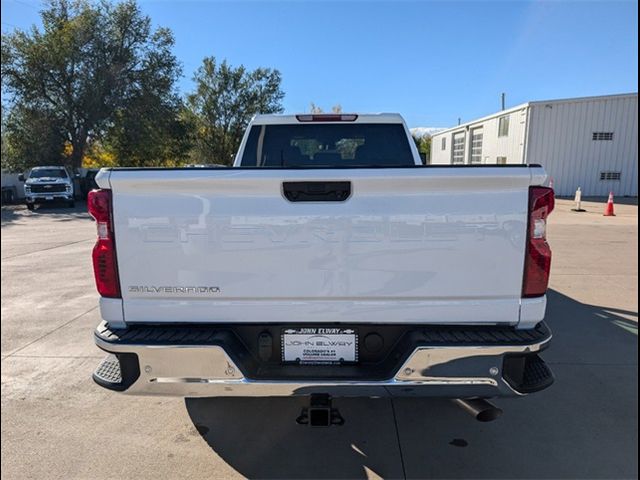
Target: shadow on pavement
{"points": [[259, 438], [584, 426], [590, 334], [54, 211], [10, 213]]}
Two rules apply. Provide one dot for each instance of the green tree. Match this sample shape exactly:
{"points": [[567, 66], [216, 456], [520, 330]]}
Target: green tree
{"points": [[224, 100], [151, 131], [423, 144], [83, 72], [31, 136], [3, 132]]}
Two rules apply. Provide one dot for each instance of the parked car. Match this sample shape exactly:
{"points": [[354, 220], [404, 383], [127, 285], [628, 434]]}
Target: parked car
{"points": [[329, 261], [48, 184]]}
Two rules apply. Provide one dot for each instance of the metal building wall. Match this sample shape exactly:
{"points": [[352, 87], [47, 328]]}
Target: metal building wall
{"points": [[439, 155], [493, 146], [560, 139]]}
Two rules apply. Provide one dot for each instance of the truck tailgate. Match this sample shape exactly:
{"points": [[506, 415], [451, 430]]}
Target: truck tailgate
{"points": [[409, 245]]}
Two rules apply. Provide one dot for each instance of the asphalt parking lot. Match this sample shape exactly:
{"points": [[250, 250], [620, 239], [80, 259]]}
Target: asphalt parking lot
{"points": [[56, 423]]}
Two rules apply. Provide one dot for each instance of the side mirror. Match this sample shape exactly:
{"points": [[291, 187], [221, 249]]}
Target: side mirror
{"points": [[21, 177], [76, 175]]}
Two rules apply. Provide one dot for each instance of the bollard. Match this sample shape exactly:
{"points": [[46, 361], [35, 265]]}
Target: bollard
{"points": [[578, 200]]}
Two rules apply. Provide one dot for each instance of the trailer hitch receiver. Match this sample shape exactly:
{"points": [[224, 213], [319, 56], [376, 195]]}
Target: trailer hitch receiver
{"points": [[320, 412]]}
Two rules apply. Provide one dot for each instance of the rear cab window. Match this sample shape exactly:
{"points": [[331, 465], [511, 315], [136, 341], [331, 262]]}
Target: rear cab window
{"points": [[327, 145]]}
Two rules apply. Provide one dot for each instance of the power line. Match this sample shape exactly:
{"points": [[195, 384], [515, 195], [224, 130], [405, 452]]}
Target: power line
{"points": [[21, 3], [26, 4]]}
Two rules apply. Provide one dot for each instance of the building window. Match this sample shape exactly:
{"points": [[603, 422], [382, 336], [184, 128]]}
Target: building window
{"points": [[501, 160], [443, 143], [598, 136], [503, 126], [610, 175], [457, 152], [476, 145]]}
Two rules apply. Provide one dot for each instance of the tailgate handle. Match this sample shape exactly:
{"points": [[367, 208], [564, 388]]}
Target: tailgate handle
{"points": [[316, 191]]}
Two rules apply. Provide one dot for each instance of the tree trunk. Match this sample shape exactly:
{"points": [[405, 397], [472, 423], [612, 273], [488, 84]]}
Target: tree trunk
{"points": [[79, 147]]}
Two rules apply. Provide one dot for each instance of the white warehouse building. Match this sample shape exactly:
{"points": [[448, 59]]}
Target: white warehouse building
{"points": [[589, 142]]}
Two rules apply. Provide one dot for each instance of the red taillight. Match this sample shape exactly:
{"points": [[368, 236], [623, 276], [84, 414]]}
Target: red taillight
{"points": [[105, 267], [328, 117], [538, 255]]}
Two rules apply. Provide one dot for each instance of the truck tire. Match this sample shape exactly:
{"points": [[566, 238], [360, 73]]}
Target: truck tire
{"points": [[30, 206], [72, 204]]}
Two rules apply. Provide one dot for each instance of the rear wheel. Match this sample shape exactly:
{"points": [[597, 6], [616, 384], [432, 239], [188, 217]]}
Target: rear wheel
{"points": [[30, 206], [72, 204]]}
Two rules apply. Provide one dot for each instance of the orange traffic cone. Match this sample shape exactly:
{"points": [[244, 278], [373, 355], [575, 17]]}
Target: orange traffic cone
{"points": [[608, 210]]}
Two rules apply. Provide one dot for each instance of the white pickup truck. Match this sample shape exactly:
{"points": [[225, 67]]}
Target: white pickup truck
{"points": [[48, 184], [328, 260]]}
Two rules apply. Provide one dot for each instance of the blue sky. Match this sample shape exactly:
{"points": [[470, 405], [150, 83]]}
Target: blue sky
{"points": [[431, 61]]}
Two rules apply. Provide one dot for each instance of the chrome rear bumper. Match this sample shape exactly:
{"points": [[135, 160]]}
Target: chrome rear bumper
{"points": [[199, 370]]}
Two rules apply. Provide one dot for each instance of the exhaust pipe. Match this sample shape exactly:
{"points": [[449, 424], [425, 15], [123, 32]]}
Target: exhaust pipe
{"points": [[479, 408]]}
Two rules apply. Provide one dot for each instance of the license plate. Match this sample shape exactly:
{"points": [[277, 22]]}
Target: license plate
{"points": [[319, 345], [48, 198]]}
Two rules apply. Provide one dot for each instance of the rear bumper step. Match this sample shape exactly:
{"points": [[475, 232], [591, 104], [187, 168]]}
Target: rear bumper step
{"points": [[527, 374], [117, 371], [108, 372], [222, 360]]}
